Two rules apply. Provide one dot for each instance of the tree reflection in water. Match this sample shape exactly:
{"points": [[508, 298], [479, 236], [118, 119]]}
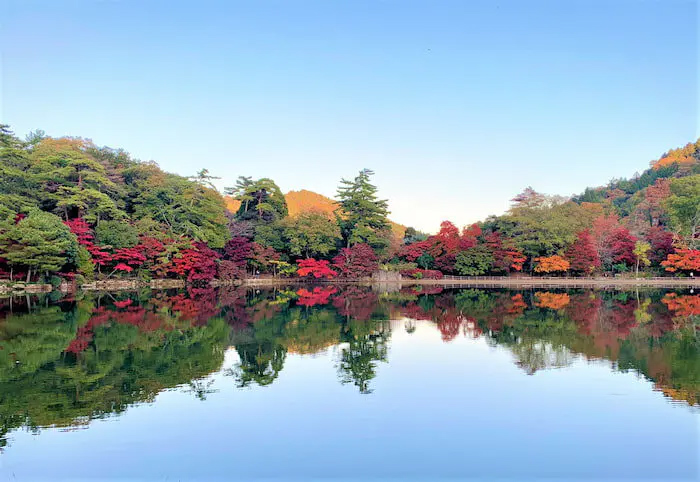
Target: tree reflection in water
{"points": [[65, 361]]}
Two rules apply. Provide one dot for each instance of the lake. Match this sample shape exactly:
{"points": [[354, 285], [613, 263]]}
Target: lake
{"points": [[349, 382]]}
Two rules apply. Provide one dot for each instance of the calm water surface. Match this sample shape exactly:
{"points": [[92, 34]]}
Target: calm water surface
{"points": [[348, 382]]}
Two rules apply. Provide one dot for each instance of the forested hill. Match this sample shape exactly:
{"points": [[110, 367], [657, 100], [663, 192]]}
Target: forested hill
{"points": [[72, 210], [627, 194]]}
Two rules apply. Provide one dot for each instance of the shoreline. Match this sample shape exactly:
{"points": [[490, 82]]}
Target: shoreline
{"points": [[520, 282], [20, 289]]}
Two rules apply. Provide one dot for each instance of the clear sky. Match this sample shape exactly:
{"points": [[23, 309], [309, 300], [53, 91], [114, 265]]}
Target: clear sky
{"points": [[457, 105]]}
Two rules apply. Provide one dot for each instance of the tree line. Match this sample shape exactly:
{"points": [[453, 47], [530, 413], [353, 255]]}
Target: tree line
{"points": [[70, 210]]}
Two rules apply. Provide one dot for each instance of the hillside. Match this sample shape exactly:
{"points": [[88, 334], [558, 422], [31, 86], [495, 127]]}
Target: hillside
{"points": [[687, 155], [304, 201]]}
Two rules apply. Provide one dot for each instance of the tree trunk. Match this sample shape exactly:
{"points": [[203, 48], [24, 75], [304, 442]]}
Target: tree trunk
{"points": [[29, 274]]}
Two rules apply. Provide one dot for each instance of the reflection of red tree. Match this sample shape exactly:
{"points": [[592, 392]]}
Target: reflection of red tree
{"points": [[622, 317], [661, 322], [234, 300], [518, 305], [145, 321], [356, 302], [583, 309], [449, 325], [415, 312], [199, 304], [318, 296], [263, 310], [613, 324], [506, 308]]}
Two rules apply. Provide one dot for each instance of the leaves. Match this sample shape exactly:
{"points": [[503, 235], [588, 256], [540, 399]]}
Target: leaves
{"points": [[358, 261], [551, 264], [682, 260], [316, 268]]}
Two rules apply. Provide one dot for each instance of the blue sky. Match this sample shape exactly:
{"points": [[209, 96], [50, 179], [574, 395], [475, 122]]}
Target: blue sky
{"points": [[457, 105]]}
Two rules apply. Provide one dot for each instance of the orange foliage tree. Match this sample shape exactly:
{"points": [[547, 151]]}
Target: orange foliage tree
{"points": [[683, 260], [551, 264]]}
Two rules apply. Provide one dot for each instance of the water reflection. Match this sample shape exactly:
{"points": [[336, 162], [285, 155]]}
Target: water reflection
{"points": [[64, 362]]}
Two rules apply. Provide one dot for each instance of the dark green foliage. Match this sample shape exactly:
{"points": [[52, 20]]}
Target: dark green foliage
{"points": [[261, 200], [684, 208], [38, 243], [474, 261], [117, 234], [72, 178], [362, 216]]}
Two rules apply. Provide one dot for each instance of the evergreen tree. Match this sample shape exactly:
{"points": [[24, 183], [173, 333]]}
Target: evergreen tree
{"points": [[362, 216], [261, 200], [39, 242]]}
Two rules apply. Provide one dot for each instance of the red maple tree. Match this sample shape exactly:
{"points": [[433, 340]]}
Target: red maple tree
{"points": [[582, 254], [316, 268], [357, 261]]}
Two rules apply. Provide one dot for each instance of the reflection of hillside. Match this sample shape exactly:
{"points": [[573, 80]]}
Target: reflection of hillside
{"points": [[67, 363], [66, 367]]}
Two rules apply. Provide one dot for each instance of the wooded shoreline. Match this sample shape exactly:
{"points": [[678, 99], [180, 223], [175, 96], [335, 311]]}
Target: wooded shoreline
{"points": [[496, 282], [452, 282]]}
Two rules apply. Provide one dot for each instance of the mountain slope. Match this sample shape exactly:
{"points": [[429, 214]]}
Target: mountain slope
{"points": [[683, 156]]}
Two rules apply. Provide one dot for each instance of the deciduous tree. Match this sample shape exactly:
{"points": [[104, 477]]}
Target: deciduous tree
{"points": [[551, 264], [357, 261], [582, 254], [312, 234], [474, 261], [316, 268]]}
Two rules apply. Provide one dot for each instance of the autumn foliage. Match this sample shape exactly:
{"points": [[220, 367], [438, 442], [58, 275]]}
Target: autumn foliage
{"points": [[683, 305], [318, 269], [317, 296], [551, 264], [553, 301], [357, 261], [582, 254], [683, 260]]}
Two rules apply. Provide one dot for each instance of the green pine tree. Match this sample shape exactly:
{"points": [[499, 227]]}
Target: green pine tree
{"points": [[40, 243], [361, 215]]}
